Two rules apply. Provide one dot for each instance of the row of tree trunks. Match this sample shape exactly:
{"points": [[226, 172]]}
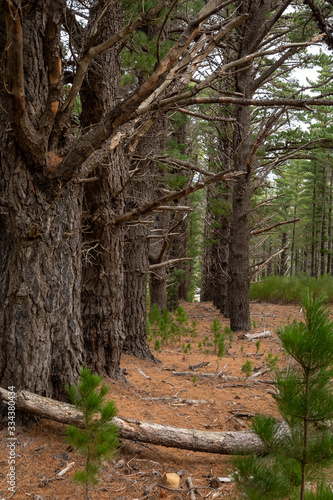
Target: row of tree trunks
{"points": [[225, 443]]}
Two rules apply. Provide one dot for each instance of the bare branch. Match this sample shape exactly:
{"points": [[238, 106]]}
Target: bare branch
{"points": [[169, 262], [263, 264], [266, 229], [124, 111], [206, 117], [149, 207], [108, 44]]}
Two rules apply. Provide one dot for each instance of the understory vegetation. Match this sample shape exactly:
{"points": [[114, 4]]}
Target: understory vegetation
{"points": [[298, 447], [289, 289]]}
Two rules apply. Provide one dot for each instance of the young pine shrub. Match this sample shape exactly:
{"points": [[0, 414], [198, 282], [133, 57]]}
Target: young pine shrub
{"points": [[219, 338], [98, 439], [300, 446]]}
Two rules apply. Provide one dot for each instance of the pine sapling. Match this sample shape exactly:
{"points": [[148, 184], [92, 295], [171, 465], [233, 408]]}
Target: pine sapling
{"points": [[247, 368], [300, 445], [98, 439]]}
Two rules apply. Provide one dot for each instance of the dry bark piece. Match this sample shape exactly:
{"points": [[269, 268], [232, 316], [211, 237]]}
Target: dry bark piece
{"points": [[191, 487], [252, 336], [66, 469]]}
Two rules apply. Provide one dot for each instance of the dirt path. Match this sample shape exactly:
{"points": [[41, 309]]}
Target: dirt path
{"points": [[42, 452]]}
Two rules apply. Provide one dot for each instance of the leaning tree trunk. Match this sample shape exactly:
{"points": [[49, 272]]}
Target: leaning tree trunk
{"points": [[41, 347], [102, 298]]}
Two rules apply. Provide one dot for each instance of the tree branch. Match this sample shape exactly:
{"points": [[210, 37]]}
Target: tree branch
{"points": [[264, 263], [169, 262], [266, 229], [123, 112], [27, 137], [149, 207]]}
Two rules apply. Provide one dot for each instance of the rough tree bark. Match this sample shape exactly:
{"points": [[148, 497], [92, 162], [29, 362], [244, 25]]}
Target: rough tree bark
{"points": [[157, 281], [102, 293], [136, 262], [40, 256]]}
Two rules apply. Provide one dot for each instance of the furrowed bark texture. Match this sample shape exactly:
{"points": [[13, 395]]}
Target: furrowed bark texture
{"points": [[102, 296], [136, 261], [239, 270], [225, 443], [41, 342]]}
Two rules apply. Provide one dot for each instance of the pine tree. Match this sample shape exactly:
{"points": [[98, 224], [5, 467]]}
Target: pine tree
{"points": [[298, 448], [98, 438]]}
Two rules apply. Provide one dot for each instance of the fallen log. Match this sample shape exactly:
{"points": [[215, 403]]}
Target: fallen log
{"points": [[224, 378], [225, 443]]}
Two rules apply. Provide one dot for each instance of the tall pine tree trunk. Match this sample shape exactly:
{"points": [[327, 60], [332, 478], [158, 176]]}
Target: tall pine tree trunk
{"points": [[41, 347], [102, 296], [239, 270]]}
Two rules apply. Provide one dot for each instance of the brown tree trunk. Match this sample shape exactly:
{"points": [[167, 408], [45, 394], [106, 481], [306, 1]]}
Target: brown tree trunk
{"points": [[329, 227], [102, 295], [284, 255], [157, 281], [135, 292], [239, 270], [41, 345]]}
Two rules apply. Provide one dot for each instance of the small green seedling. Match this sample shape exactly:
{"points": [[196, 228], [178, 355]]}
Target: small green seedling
{"points": [[258, 346], [187, 349], [271, 361], [98, 439], [247, 368]]}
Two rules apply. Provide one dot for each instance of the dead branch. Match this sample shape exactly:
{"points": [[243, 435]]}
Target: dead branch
{"points": [[149, 207], [259, 231], [206, 117], [221, 377], [125, 110], [168, 262], [264, 264]]}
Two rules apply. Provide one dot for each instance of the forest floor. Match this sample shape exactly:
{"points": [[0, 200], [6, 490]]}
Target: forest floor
{"points": [[138, 468]]}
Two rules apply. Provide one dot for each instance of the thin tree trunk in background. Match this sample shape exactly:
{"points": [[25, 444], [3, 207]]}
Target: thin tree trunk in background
{"points": [[313, 232], [136, 262], [329, 227], [284, 255], [321, 240], [292, 253]]}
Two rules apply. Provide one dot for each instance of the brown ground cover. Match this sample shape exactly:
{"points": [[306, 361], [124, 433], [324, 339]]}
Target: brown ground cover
{"points": [[137, 468]]}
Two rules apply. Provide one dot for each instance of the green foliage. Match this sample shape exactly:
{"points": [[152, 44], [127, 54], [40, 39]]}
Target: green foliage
{"points": [[187, 349], [299, 448], [288, 290], [258, 345], [98, 439], [247, 367], [271, 361], [253, 324], [219, 338], [164, 327]]}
